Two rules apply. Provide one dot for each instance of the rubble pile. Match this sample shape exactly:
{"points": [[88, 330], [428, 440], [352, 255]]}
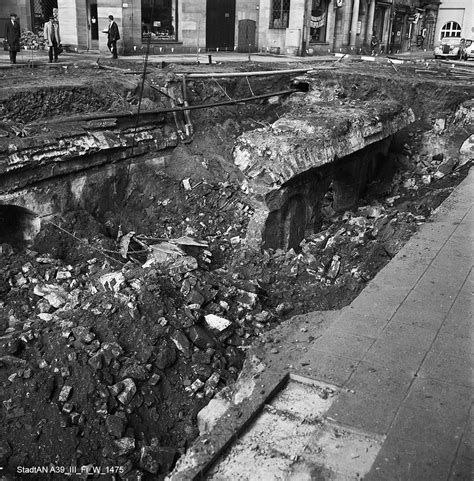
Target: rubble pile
{"points": [[32, 41], [119, 359], [352, 246]]}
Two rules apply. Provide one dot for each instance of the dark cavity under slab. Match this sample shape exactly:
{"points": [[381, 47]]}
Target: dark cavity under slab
{"points": [[295, 209]]}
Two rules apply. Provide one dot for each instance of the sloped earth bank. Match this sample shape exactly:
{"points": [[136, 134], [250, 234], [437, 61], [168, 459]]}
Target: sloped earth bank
{"points": [[105, 362]]}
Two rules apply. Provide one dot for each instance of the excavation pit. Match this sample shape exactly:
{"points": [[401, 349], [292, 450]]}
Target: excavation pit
{"points": [[296, 200]]}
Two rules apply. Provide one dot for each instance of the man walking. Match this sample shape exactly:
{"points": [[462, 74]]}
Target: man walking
{"points": [[112, 36], [52, 37], [13, 34]]}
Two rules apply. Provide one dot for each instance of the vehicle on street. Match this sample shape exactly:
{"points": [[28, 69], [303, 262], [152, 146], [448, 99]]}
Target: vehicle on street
{"points": [[450, 47], [467, 51]]}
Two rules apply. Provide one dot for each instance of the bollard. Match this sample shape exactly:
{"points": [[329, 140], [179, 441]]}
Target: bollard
{"points": [[209, 59]]}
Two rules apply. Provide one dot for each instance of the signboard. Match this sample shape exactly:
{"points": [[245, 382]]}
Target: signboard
{"points": [[318, 22]]}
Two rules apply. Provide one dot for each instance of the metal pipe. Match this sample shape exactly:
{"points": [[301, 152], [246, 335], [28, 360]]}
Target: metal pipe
{"points": [[244, 74], [112, 115]]}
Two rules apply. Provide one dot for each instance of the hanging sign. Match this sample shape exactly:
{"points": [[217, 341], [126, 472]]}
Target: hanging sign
{"points": [[318, 22]]}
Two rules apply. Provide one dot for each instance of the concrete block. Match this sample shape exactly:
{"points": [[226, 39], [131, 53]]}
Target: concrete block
{"points": [[208, 416]]}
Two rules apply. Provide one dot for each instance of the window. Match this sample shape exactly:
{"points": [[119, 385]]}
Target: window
{"points": [[280, 14], [41, 10], [451, 29], [159, 20], [319, 14]]}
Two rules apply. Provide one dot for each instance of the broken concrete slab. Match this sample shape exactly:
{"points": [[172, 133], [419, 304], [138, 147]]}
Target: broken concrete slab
{"points": [[289, 160]]}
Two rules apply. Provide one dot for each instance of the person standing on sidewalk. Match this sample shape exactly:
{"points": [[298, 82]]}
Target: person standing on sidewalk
{"points": [[13, 34], [112, 36], [52, 37]]}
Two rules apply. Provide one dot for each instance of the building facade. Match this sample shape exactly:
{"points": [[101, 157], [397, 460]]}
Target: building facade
{"points": [[298, 27], [455, 19], [165, 25]]}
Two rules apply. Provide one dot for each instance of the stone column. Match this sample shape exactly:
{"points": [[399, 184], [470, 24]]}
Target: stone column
{"points": [[355, 19], [67, 14], [370, 22]]}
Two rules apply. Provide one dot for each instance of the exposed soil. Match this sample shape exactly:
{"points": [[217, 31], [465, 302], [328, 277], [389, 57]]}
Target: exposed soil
{"points": [[105, 362]]}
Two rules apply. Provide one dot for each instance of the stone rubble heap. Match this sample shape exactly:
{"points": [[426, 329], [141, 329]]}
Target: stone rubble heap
{"points": [[110, 349]]}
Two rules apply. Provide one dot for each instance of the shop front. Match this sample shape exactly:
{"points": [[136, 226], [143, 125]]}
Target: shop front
{"points": [[159, 21]]}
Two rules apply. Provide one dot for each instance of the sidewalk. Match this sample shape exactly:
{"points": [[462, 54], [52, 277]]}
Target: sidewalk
{"points": [[41, 57], [388, 378]]}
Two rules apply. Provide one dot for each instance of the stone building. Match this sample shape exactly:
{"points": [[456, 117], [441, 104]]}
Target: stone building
{"points": [[455, 19], [298, 27], [167, 25], [323, 26], [21, 7]]}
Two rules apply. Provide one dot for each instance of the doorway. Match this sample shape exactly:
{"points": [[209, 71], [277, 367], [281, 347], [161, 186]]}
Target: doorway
{"points": [[220, 25], [93, 25]]}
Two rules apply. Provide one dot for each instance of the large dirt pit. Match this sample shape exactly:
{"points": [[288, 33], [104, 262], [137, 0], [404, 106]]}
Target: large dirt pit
{"points": [[126, 309]]}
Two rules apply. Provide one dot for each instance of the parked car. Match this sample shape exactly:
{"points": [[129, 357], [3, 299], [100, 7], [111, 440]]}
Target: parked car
{"points": [[468, 50], [450, 47]]}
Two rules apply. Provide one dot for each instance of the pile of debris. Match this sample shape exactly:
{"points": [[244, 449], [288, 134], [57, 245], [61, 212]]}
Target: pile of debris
{"points": [[117, 362], [32, 41], [352, 246]]}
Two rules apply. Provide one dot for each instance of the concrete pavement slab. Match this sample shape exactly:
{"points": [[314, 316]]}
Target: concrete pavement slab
{"points": [[440, 397], [448, 368], [363, 325], [404, 460], [438, 428], [366, 412], [455, 345], [408, 335], [325, 367], [348, 345], [389, 354], [422, 314], [379, 381]]}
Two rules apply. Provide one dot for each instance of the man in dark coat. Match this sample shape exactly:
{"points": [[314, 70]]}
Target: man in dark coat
{"points": [[12, 34], [112, 36]]}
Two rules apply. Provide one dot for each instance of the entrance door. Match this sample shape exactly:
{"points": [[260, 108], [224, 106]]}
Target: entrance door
{"points": [[398, 32], [247, 29], [93, 25], [220, 24]]}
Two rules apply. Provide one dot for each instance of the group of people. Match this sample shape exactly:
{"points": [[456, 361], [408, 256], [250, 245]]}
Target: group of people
{"points": [[52, 37]]}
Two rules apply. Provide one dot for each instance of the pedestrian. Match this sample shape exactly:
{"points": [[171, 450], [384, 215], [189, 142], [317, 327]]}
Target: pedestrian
{"points": [[52, 37], [112, 36], [374, 43], [13, 34]]}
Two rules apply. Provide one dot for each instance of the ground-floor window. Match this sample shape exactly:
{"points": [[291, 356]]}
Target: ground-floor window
{"points": [[319, 16], [451, 29], [159, 20], [41, 10], [280, 14]]}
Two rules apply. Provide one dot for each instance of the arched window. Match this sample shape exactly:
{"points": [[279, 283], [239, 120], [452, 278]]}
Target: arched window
{"points": [[451, 29]]}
